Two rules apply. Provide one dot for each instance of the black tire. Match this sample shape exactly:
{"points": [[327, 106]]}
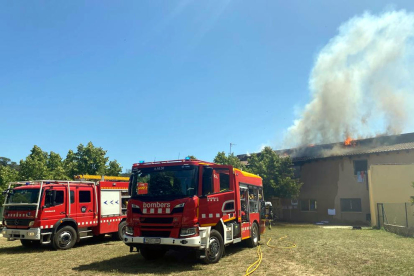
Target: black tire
{"points": [[254, 236], [216, 248], [152, 253], [30, 244], [121, 230], [64, 238]]}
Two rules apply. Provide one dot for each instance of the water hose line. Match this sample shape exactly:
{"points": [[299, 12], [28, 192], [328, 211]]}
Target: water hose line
{"points": [[257, 263]]}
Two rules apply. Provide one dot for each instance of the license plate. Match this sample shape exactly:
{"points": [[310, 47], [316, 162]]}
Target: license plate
{"points": [[152, 240]]}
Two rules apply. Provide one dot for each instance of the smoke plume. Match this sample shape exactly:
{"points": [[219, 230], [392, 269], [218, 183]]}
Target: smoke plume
{"points": [[361, 82]]}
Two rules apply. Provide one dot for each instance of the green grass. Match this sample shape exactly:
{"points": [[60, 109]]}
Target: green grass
{"points": [[319, 251]]}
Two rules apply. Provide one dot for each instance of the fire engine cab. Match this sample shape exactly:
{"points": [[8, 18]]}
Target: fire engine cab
{"points": [[63, 212], [192, 204]]}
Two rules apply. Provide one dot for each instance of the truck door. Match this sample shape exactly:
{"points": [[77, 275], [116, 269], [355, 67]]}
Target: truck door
{"points": [[85, 206], [53, 207], [217, 198]]}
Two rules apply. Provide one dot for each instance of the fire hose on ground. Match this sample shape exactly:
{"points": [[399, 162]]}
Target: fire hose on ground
{"points": [[257, 263]]}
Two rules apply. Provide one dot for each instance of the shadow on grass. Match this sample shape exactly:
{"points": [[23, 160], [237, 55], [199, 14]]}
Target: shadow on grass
{"points": [[17, 248], [172, 262]]}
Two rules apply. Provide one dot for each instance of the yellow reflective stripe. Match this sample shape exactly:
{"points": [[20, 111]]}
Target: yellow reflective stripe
{"points": [[99, 177], [245, 238], [208, 224], [226, 220], [247, 174]]}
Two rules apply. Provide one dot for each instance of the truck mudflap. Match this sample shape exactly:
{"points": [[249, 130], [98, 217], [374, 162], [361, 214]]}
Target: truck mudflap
{"points": [[194, 242], [21, 234]]}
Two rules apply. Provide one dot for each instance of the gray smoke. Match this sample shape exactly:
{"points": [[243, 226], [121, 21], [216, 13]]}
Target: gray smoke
{"points": [[361, 83]]}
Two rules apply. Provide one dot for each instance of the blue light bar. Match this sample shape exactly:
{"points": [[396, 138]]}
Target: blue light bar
{"points": [[188, 158], [141, 161]]}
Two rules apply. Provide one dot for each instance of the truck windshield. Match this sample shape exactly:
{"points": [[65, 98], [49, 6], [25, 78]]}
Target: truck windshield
{"points": [[168, 181], [23, 196]]}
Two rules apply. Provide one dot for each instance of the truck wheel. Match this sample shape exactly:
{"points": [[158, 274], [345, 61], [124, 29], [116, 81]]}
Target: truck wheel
{"points": [[152, 253], [216, 248], [29, 243], [254, 238], [121, 230], [64, 238]]}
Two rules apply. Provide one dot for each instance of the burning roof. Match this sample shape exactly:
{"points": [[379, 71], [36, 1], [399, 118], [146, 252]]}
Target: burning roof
{"points": [[349, 147]]}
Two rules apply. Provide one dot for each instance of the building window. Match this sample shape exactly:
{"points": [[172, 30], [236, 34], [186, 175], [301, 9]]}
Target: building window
{"points": [[351, 205], [308, 205], [360, 166]]}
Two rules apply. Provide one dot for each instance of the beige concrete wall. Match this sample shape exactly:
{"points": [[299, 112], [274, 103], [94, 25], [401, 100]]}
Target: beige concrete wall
{"points": [[389, 184], [328, 180]]}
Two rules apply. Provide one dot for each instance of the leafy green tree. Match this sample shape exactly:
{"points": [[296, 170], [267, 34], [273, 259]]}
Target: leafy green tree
{"points": [[55, 167], [277, 174], [4, 161], [7, 174], [90, 160], [230, 159], [114, 168], [192, 157], [35, 165], [70, 164]]}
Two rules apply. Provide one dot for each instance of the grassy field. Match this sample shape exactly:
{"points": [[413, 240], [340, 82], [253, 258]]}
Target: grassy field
{"points": [[319, 251]]}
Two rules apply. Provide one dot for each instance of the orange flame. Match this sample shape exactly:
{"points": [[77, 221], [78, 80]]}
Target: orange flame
{"points": [[349, 141]]}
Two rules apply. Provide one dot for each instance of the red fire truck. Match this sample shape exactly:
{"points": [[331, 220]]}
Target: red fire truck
{"points": [[192, 204], [63, 212]]}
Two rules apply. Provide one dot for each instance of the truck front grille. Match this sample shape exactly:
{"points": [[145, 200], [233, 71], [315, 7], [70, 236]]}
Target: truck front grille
{"points": [[18, 222], [156, 220]]}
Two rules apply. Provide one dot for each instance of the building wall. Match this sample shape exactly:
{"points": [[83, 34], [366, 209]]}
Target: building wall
{"points": [[331, 179], [389, 184]]}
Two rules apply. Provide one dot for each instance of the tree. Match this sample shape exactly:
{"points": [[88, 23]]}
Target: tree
{"points": [[4, 161], [55, 167], [90, 160], [70, 164], [114, 168], [192, 157], [276, 172], [7, 174], [35, 165], [231, 159]]}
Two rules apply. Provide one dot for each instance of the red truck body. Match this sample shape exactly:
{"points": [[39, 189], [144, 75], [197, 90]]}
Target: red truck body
{"points": [[63, 212], [192, 204]]}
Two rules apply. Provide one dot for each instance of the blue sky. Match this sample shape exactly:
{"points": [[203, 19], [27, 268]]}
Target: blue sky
{"points": [[152, 80]]}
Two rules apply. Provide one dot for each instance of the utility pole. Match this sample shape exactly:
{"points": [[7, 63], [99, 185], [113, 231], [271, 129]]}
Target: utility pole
{"points": [[231, 144]]}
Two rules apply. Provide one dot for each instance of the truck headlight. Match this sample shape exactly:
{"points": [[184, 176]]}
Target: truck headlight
{"points": [[129, 230], [3, 232], [31, 233], [31, 223], [185, 232]]}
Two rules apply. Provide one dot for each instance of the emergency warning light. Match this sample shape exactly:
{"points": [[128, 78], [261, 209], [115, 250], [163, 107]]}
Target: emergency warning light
{"points": [[141, 161], [187, 158]]}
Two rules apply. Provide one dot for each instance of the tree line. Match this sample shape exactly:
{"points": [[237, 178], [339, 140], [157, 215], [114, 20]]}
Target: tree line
{"points": [[276, 172], [43, 165]]}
